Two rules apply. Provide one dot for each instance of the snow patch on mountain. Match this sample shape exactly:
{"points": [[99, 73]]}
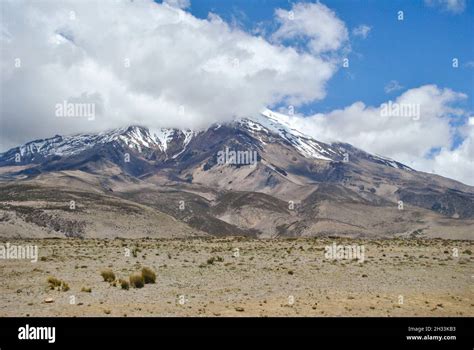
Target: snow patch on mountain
{"points": [[275, 123], [266, 127], [188, 135], [390, 162], [163, 136]]}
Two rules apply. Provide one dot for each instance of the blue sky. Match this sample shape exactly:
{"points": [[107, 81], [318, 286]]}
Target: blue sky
{"points": [[416, 51]]}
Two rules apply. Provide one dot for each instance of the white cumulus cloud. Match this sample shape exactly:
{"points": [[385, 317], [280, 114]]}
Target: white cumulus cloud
{"points": [[152, 64], [408, 139], [315, 23], [182, 4]]}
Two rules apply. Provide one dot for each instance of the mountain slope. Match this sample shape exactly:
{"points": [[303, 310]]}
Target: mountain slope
{"points": [[295, 186]]}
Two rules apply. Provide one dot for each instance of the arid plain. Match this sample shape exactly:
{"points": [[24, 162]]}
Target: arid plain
{"points": [[241, 277]]}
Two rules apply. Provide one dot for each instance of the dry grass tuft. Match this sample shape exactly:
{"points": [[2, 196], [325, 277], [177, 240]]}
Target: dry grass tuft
{"points": [[108, 275], [149, 276], [136, 280]]}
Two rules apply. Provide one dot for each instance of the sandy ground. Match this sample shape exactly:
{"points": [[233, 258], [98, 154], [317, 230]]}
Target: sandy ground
{"points": [[255, 278]]}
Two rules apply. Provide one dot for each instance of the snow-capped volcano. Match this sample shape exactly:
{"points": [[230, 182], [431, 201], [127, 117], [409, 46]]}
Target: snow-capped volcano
{"points": [[143, 139], [169, 143], [340, 188]]}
